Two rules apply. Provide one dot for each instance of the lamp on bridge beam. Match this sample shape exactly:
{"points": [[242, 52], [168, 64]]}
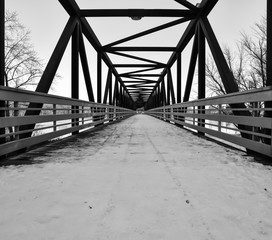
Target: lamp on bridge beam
{"points": [[136, 14], [136, 18]]}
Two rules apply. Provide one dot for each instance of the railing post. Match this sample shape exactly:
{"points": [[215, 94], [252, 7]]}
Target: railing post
{"points": [[54, 113], [82, 112], [255, 114], [2, 61], [219, 113], [194, 115], [16, 114]]}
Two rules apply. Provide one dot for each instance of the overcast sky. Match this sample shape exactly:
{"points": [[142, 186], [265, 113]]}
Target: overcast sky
{"points": [[46, 20]]}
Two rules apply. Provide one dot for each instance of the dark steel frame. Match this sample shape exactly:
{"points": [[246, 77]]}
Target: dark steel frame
{"points": [[2, 60], [131, 87]]}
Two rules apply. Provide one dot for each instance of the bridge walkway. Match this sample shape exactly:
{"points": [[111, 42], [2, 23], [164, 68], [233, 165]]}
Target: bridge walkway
{"points": [[140, 178]]}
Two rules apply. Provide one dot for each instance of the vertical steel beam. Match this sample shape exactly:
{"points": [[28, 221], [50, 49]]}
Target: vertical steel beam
{"points": [[269, 43], [163, 92], [269, 63], [120, 96], [110, 90], [75, 63], [2, 60], [201, 74], [2, 42], [123, 103], [85, 67], [168, 90], [115, 92], [158, 96], [99, 77], [201, 64], [179, 89], [75, 73], [170, 80]]}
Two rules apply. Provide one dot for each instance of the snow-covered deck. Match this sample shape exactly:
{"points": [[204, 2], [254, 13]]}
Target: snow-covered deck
{"points": [[138, 179]]}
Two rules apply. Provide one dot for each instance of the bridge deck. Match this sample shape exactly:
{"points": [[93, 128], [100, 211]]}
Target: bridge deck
{"points": [[137, 179]]}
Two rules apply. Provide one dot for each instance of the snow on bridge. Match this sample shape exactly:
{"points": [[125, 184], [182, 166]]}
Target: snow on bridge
{"points": [[140, 178]]}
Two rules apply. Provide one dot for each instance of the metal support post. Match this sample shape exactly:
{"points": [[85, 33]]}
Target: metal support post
{"points": [[2, 60], [168, 90], [2, 42], [75, 64], [269, 44], [179, 89], [99, 77], [269, 64], [159, 96], [201, 74], [170, 80], [75, 74], [121, 96], [163, 92], [110, 90], [107, 87], [115, 92]]}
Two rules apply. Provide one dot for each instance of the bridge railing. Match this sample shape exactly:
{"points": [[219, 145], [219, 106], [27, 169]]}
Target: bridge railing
{"points": [[214, 116], [58, 117]]}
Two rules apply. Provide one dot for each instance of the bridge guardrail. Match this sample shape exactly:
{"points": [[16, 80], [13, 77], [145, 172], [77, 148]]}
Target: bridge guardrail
{"points": [[58, 117], [214, 116]]}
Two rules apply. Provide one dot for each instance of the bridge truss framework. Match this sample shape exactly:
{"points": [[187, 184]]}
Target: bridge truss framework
{"points": [[138, 90]]}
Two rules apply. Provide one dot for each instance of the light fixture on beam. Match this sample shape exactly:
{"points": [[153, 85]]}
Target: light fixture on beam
{"points": [[136, 14], [136, 18]]}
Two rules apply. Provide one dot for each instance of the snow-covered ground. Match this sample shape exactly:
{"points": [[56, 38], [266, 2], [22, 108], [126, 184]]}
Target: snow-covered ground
{"points": [[138, 179]]}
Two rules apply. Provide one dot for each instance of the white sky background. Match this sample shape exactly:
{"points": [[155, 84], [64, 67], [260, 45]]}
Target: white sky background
{"points": [[46, 20]]}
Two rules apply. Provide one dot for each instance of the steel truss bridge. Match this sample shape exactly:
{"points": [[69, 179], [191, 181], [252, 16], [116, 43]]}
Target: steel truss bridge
{"points": [[28, 118]]}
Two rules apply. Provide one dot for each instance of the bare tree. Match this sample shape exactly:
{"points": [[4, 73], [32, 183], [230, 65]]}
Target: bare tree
{"points": [[22, 65], [256, 48], [247, 63]]}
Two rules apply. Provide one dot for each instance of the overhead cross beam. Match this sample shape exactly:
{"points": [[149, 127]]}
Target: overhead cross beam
{"points": [[140, 49], [138, 65], [135, 13], [136, 58], [149, 31], [139, 71]]}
